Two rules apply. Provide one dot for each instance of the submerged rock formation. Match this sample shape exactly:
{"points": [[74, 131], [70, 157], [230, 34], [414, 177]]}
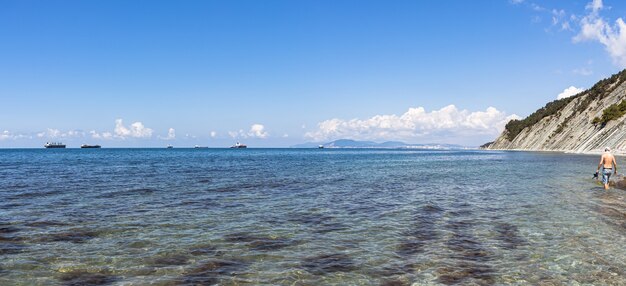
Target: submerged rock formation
{"points": [[584, 123]]}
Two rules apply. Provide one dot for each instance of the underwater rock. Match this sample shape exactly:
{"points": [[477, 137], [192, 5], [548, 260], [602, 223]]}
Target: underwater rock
{"points": [[81, 278], [73, 235], [260, 243], [463, 272], [509, 235], [6, 229], [395, 283], [241, 237], [169, 260], [210, 272], [327, 263], [620, 184], [204, 249], [11, 247], [269, 244], [46, 223]]}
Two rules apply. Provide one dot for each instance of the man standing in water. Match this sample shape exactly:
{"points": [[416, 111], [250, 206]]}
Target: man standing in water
{"points": [[608, 165]]}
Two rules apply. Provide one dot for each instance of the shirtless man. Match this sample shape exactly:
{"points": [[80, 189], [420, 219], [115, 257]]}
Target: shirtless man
{"points": [[607, 162]]}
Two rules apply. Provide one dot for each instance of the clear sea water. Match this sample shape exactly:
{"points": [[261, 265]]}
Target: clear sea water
{"points": [[307, 217]]}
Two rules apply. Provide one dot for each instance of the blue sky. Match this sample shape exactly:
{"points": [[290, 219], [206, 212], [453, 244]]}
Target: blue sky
{"points": [[278, 73]]}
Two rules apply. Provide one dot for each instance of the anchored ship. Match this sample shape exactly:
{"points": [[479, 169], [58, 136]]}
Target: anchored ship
{"points": [[54, 145], [90, 146], [239, 146]]}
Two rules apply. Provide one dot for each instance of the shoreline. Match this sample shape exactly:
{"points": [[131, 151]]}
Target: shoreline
{"points": [[615, 153]]}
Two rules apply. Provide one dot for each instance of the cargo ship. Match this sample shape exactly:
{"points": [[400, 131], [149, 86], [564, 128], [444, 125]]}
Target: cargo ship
{"points": [[239, 146], [54, 145], [90, 146]]}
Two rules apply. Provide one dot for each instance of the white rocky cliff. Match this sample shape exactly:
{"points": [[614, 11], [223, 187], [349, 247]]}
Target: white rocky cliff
{"points": [[568, 125]]}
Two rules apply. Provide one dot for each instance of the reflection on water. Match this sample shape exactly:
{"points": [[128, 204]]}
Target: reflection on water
{"points": [[306, 217]]}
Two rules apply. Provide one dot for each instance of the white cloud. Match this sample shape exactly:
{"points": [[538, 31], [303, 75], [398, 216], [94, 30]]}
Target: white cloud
{"points": [[560, 19], [56, 133], [536, 7], [415, 123], [171, 135], [596, 28], [103, 135], [8, 135], [570, 91], [137, 130], [256, 131], [52, 133], [595, 6], [235, 134], [590, 27], [74, 133], [5, 135], [213, 134]]}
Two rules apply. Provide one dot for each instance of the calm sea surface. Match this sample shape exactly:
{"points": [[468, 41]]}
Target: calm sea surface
{"points": [[306, 217]]}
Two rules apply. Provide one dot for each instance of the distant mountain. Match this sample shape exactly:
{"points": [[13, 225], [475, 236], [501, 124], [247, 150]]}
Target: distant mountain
{"points": [[306, 145], [348, 143]]}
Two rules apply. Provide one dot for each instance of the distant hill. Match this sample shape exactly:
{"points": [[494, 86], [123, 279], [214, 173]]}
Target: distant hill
{"points": [[348, 143], [582, 123]]}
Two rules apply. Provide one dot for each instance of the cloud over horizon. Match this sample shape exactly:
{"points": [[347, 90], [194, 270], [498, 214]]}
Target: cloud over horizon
{"points": [[8, 135], [256, 131], [416, 123], [171, 135], [136, 130], [103, 135], [120, 131], [570, 91]]}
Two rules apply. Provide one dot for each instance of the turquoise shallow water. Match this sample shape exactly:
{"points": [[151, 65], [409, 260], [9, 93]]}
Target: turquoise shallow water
{"points": [[306, 217]]}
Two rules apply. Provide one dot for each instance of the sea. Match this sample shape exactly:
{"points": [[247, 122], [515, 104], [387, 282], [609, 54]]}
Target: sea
{"points": [[307, 217]]}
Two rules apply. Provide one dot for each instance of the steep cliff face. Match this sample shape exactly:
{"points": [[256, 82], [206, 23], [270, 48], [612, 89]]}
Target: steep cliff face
{"points": [[568, 125]]}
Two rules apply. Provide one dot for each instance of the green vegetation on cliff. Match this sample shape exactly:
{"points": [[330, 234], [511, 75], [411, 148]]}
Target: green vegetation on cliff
{"points": [[597, 92], [514, 127], [614, 111], [601, 89]]}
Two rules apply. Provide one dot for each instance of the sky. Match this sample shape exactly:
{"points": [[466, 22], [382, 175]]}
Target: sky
{"points": [[279, 73]]}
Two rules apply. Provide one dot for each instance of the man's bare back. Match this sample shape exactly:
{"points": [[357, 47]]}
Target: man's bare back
{"points": [[607, 161], [608, 165]]}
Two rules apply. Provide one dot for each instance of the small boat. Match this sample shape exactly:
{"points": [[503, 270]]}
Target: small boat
{"points": [[90, 146], [54, 145], [200, 147], [320, 147], [239, 146], [169, 147]]}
